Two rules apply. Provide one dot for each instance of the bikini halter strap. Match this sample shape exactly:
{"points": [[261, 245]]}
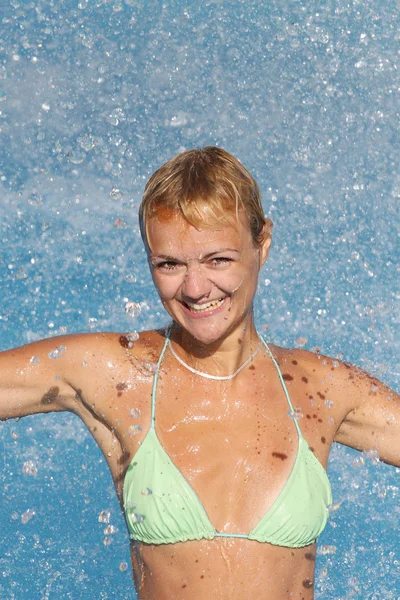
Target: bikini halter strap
{"points": [[292, 412]]}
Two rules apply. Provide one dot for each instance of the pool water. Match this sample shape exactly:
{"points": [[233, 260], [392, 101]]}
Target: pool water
{"points": [[93, 97]]}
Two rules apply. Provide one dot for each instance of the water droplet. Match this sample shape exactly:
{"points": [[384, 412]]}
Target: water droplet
{"points": [[137, 518], [35, 199], [150, 366], [116, 194], [84, 363], [107, 541], [104, 516], [87, 142], [329, 403], [21, 274], [334, 507], [46, 107], [29, 468], [146, 492], [130, 278], [372, 454], [110, 530], [295, 414], [326, 550], [133, 309], [135, 429], [76, 157], [123, 566], [132, 338], [335, 364], [14, 515], [301, 341], [27, 516], [35, 360], [120, 224], [57, 353], [267, 281], [358, 462], [14, 435], [134, 412]]}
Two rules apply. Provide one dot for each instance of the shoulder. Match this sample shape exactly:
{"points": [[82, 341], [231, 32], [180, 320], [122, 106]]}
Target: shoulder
{"points": [[340, 379]]}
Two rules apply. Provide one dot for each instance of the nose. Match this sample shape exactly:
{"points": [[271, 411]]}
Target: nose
{"points": [[196, 285]]}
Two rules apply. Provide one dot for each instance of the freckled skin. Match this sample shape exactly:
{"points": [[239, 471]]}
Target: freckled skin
{"points": [[232, 440]]}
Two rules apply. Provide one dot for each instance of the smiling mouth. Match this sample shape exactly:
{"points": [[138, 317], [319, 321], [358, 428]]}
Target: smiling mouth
{"points": [[207, 306]]}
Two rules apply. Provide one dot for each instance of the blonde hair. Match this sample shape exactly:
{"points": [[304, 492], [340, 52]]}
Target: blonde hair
{"points": [[204, 185]]}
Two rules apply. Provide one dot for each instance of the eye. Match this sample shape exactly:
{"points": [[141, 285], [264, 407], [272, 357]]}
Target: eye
{"points": [[220, 261], [167, 265]]}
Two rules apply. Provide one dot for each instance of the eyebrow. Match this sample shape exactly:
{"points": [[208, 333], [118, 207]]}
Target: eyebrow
{"points": [[168, 257]]}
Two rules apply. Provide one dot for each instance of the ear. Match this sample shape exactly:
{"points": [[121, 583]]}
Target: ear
{"points": [[266, 241]]}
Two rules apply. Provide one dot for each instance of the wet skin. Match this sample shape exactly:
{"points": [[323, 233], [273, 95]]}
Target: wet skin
{"points": [[232, 440]]}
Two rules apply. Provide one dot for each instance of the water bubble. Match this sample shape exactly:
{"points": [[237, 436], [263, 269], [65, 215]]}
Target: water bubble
{"points": [[116, 194], [21, 274], [135, 429], [120, 224], [372, 454], [323, 550], [35, 199], [115, 117], [14, 435], [92, 322], [137, 518], [27, 516], [267, 281], [334, 507], [76, 157], [130, 278], [46, 107], [134, 412], [14, 515], [123, 566], [133, 309], [110, 530], [179, 120], [107, 541], [301, 341], [29, 468], [87, 142], [57, 353], [35, 360], [132, 338], [104, 516], [358, 462], [146, 492]]}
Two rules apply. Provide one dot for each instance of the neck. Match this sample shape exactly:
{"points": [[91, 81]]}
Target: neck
{"points": [[221, 357]]}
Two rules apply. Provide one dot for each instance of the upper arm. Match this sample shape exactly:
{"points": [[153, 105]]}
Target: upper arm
{"points": [[371, 416], [40, 377]]}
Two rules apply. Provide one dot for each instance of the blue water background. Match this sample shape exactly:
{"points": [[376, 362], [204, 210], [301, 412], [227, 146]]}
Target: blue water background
{"points": [[94, 95]]}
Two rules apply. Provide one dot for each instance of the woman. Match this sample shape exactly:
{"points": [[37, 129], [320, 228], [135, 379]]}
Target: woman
{"points": [[216, 441]]}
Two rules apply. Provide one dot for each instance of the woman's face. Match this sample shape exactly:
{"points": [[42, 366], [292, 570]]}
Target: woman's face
{"points": [[206, 278]]}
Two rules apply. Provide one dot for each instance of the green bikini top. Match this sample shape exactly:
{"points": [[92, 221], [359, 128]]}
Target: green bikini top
{"points": [[162, 508]]}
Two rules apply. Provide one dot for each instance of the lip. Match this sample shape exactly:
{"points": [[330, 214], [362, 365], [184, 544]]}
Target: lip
{"points": [[204, 315]]}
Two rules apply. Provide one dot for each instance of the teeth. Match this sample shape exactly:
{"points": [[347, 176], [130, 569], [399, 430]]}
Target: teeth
{"points": [[204, 307]]}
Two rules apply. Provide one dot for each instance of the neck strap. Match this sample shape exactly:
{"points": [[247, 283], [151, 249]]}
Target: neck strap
{"points": [[292, 412]]}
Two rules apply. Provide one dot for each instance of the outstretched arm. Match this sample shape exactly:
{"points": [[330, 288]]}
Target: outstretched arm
{"points": [[372, 416], [32, 379]]}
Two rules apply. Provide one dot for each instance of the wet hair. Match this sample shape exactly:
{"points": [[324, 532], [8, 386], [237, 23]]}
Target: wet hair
{"points": [[206, 186]]}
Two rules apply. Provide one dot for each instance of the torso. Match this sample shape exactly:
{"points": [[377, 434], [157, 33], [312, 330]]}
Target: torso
{"points": [[235, 444]]}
